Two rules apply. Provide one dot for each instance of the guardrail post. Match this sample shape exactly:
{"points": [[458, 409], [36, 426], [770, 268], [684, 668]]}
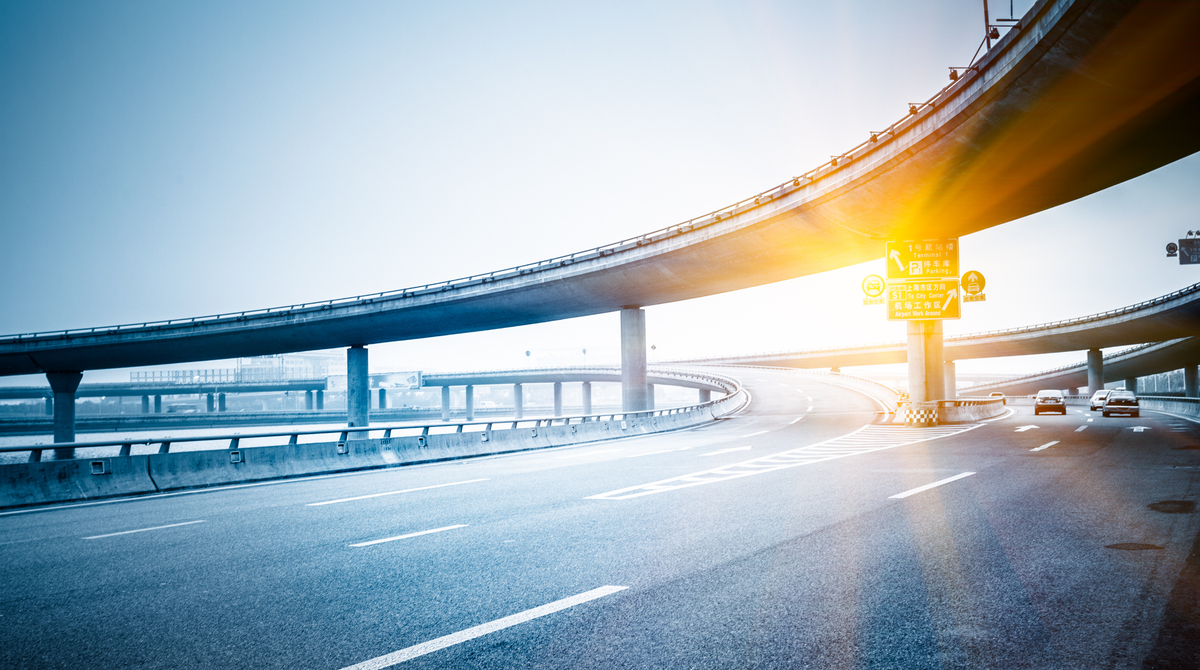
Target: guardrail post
{"points": [[126, 447], [165, 447], [35, 455]]}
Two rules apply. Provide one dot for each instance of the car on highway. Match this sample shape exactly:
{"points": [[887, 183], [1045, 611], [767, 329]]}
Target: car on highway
{"points": [[1049, 401], [1121, 402], [1098, 398]]}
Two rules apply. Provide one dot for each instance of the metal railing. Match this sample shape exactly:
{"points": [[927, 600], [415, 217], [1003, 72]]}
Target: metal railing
{"points": [[876, 140], [734, 392]]}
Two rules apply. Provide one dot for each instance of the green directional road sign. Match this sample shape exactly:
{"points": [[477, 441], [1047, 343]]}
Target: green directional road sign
{"points": [[924, 300], [922, 259]]}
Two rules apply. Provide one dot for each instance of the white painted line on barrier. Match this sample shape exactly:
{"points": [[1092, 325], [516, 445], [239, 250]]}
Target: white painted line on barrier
{"points": [[726, 451], [142, 530], [405, 537], [1080, 429], [930, 486], [1048, 444], [761, 432], [392, 493], [397, 657]]}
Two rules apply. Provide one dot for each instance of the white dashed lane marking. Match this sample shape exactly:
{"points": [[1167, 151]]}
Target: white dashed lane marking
{"points": [[392, 493], [933, 485], [143, 530], [864, 440], [405, 537], [1048, 444]]}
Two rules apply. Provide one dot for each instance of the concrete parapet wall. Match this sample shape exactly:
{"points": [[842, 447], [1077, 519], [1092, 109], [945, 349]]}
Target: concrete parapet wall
{"points": [[1181, 406], [34, 483], [53, 481], [968, 411]]}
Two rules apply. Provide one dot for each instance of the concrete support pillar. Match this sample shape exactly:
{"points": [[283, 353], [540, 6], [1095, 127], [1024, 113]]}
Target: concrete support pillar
{"points": [[633, 359], [587, 397], [705, 395], [470, 403], [210, 402], [383, 399], [358, 386], [220, 402], [1190, 379], [650, 397], [49, 406], [308, 400], [64, 385], [158, 404], [1131, 384], [951, 385], [558, 399], [926, 374], [445, 403], [1095, 365], [145, 404], [518, 401], [320, 399]]}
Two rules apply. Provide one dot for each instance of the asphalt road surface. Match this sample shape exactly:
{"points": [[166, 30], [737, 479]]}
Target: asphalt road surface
{"points": [[799, 534]]}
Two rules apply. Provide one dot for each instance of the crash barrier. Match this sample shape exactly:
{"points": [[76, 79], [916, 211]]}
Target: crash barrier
{"points": [[960, 410], [249, 457], [1171, 404], [1027, 400]]}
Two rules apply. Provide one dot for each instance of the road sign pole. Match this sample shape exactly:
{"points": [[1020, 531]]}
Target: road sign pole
{"points": [[926, 369]]}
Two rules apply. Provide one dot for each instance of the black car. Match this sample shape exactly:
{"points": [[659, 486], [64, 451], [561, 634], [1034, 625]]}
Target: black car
{"points": [[1121, 402]]}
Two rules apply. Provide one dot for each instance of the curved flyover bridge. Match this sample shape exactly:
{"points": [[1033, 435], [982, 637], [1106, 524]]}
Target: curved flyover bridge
{"points": [[1171, 321], [1078, 96]]}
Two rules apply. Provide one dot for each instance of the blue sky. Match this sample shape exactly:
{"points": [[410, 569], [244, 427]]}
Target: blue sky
{"points": [[164, 160]]}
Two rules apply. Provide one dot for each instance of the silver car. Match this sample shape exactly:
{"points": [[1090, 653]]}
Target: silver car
{"points": [[1121, 402], [1050, 401], [1098, 398]]}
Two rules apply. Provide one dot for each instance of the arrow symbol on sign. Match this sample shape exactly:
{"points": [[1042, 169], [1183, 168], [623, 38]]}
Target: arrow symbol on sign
{"points": [[1138, 429], [950, 298], [1022, 429], [896, 257]]}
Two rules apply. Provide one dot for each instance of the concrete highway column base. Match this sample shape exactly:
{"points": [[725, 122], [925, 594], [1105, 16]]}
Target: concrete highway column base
{"points": [[1095, 368], [650, 397], [951, 386], [704, 395], [210, 402], [320, 400], [633, 359], [358, 386], [558, 399], [926, 371], [1190, 385], [145, 404], [1131, 384], [158, 404], [470, 402], [64, 385], [587, 397], [383, 399], [308, 400], [518, 401], [220, 402], [49, 406], [445, 403]]}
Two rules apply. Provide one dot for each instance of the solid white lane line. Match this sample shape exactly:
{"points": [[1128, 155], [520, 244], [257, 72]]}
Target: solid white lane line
{"points": [[1080, 429], [761, 432], [142, 530], [1048, 444], [392, 493], [431, 646], [651, 453], [929, 486], [405, 537], [726, 451], [795, 420]]}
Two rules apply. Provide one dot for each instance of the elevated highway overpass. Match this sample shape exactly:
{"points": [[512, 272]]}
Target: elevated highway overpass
{"points": [[1078, 96]]}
